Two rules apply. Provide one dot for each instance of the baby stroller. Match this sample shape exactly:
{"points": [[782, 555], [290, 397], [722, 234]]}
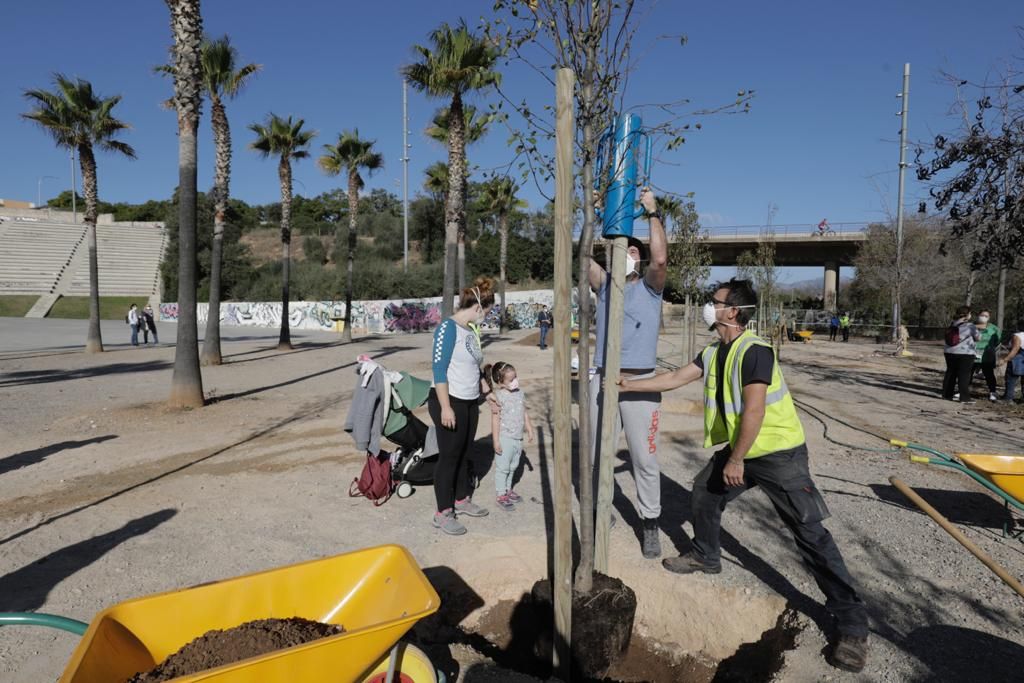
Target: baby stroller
{"points": [[382, 405]]}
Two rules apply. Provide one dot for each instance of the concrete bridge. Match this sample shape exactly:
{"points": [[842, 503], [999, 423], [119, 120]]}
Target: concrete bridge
{"points": [[795, 245]]}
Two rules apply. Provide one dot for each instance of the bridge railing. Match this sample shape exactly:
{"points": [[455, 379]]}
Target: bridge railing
{"points": [[791, 230]]}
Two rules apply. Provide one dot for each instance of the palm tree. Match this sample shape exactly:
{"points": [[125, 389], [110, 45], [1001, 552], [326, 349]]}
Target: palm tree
{"points": [[285, 139], [458, 63], [476, 128], [350, 154], [221, 80], [500, 199], [436, 181], [187, 27], [436, 184], [79, 119]]}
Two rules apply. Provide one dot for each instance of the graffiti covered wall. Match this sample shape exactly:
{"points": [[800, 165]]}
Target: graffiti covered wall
{"points": [[368, 317]]}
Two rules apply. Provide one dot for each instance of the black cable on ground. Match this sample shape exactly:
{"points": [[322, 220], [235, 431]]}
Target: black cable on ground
{"points": [[807, 408]]}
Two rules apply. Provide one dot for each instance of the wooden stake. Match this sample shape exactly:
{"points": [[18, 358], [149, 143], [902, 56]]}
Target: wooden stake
{"points": [[610, 406], [996, 568], [564, 183]]}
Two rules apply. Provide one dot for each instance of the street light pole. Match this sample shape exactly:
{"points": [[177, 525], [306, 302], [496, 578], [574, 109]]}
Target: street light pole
{"points": [[905, 105], [405, 173]]}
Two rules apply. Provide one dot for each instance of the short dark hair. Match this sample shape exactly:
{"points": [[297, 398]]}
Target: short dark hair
{"points": [[961, 311], [741, 293], [640, 246]]}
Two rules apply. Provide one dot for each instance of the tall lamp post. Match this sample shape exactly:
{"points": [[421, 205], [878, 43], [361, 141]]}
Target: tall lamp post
{"points": [[904, 106]]}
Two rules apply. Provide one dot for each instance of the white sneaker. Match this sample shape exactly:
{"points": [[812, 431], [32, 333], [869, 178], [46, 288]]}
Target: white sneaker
{"points": [[956, 396], [992, 397]]}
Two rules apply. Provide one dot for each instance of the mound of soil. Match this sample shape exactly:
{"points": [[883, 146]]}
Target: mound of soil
{"points": [[219, 647]]}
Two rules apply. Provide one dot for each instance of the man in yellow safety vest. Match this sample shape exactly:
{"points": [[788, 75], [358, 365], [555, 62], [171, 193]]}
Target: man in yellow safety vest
{"points": [[748, 410]]}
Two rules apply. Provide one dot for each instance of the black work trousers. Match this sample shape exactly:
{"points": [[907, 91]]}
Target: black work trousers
{"points": [[959, 368], [451, 476], [785, 478]]}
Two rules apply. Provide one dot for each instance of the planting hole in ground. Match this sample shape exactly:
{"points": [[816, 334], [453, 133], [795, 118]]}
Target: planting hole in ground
{"points": [[685, 640]]}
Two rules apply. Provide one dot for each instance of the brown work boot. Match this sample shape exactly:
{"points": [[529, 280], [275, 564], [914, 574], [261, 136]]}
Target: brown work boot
{"points": [[850, 653], [689, 564]]}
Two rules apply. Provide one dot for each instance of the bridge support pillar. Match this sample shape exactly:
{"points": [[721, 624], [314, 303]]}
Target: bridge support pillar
{"points": [[831, 290]]}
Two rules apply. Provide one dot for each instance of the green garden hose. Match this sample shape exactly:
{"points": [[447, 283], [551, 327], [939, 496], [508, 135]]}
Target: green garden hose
{"points": [[39, 619]]}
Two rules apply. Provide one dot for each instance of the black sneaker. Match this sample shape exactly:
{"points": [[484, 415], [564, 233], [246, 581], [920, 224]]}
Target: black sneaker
{"points": [[689, 564], [651, 546], [850, 653]]}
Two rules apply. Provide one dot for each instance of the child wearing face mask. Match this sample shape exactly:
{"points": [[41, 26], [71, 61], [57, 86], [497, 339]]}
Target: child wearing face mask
{"points": [[507, 427]]}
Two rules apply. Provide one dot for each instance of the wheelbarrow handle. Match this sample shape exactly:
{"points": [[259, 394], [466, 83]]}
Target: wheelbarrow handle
{"points": [[39, 619]]}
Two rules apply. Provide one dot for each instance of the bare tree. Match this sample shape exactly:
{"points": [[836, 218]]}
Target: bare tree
{"points": [[978, 172]]}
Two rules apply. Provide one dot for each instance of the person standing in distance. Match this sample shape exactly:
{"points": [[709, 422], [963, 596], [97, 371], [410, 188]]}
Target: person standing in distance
{"points": [[544, 321], [638, 413], [748, 410]]}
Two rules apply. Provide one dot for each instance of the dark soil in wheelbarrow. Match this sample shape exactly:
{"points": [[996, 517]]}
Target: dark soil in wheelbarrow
{"points": [[251, 639]]}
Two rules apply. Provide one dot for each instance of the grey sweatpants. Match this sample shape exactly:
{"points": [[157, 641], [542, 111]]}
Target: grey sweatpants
{"points": [[638, 416]]}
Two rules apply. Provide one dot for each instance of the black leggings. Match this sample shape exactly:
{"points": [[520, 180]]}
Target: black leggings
{"points": [[958, 372], [451, 476], [988, 370]]}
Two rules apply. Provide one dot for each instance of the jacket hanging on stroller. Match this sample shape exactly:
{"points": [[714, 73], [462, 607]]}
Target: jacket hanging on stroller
{"points": [[382, 405]]}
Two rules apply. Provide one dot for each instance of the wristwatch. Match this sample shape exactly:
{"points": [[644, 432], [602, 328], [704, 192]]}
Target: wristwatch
{"points": [[654, 214]]}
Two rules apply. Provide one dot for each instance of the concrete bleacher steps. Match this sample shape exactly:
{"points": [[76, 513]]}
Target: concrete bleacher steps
{"points": [[129, 261], [34, 255], [51, 259]]}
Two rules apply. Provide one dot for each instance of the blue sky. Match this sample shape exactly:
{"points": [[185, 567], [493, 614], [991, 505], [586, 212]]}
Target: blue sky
{"points": [[820, 141]]}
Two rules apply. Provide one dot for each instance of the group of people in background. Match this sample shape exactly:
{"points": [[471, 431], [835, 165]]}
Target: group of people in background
{"points": [[972, 345], [142, 321], [837, 323]]}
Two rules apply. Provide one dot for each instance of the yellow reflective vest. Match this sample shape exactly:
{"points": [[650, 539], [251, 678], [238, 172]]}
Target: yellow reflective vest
{"points": [[781, 429]]}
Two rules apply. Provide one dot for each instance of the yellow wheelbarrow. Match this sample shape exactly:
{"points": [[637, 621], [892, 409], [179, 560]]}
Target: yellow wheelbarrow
{"points": [[376, 594], [1003, 475]]}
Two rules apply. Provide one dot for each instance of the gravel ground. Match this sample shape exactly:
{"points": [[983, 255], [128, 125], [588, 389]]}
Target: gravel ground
{"points": [[109, 495]]}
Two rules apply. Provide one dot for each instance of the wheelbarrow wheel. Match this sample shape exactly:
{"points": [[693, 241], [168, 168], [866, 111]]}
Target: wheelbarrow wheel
{"points": [[404, 490], [413, 666]]}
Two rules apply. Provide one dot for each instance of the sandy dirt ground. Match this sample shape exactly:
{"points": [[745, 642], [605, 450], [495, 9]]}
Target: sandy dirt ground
{"points": [[108, 495]]}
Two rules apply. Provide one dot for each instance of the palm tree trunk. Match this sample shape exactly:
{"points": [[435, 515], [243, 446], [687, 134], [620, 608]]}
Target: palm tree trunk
{"points": [[187, 27], [353, 209], [284, 172], [502, 260], [93, 338], [455, 203], [222, 175]]}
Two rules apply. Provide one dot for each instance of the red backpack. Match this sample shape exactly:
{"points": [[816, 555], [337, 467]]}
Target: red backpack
{"points": [[375, 480]]}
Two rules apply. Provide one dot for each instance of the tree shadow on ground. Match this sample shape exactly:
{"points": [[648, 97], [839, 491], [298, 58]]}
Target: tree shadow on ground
{"points": [[312, 409], [272, 352], [30, 377], [295, 380], [970, 508], [26, 589], [955, 653], [26, 458]]}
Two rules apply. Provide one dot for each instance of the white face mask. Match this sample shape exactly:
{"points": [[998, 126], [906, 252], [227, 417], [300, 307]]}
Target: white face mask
{"points": [[709, 313], [631, 264], [982, 319], [514, 384]]}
